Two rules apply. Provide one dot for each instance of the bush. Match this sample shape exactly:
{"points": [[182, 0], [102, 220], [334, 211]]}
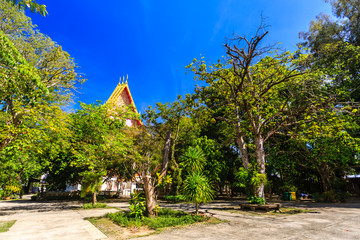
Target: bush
{"points": [[175, 198], [90, 205], [197, 189], [331, 196], [34, 197], [88, 198], [137, 205], [2, 194], [342, 196], [166, 218], [256, 200]]}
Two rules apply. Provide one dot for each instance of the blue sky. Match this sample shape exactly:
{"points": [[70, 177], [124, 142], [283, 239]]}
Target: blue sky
{"points": [[152, 41]]}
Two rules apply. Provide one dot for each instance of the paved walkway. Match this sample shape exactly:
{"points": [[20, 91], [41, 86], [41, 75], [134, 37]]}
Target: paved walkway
{"points": [[62, 220], [49, 220], [325, 221]]}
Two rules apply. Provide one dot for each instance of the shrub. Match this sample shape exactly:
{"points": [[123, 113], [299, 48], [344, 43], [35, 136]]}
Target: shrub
{"points": [[34, 197], [256, 200], [197, 189], [166, 218], [175, 198], [137, 205], [193, 159], [331, 196], [342, 196], [2, 194]]}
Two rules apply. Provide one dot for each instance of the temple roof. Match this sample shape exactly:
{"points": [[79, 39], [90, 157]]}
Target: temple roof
{"points": [[122, 96]]}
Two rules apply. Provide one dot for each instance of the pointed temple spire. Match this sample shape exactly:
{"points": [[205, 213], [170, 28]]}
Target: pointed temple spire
{"points": [[122, 96]]}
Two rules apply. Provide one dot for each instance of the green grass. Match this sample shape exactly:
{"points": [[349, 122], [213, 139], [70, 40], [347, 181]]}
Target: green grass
{"points": [[175, 199], [166, 218], [5, 226], [90, 205]]}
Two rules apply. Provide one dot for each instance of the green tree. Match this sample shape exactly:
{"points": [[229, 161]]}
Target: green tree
{"points": [[336, 48], [38, 79], [261, 94], [32, 5], [55, 66], [193, 159], [171, 124], [21, 88], [325, 152], [99, 138], [197, 189], [48, 68], [335, 44]]}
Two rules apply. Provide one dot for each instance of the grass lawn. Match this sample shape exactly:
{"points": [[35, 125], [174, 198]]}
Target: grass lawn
{"points": [[120, 225], [6, 225], [90, 205]]}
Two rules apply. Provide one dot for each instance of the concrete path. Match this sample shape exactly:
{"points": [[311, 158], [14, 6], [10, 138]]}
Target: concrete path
{"points": [[49, 220], [326, 221], [63, 220]]}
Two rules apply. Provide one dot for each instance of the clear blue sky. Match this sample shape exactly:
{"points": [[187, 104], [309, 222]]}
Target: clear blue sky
{"points": [[152, 41]]}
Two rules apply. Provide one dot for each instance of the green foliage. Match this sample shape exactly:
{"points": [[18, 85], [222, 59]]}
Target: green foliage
{"points": [[36, 79], [32, 5], [91, 183], [197, 189], [90, 205], [331, 196], [162, 182], [34, 197], [175, 199], [288, 188], [100, 141], [193, 159], [256, 200], [137, 205], [342, 196], [249, 178], [215, 167], [174, 119], [166, 218], [242, 177], [15, 188], [259, 93]]}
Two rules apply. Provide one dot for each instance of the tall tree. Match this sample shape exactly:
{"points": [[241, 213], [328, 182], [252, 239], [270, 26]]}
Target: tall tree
{"points": [[38, 78], [170, 123], [99, 138], [260, 94], [336, 48], [20, 89], [54, 68]]}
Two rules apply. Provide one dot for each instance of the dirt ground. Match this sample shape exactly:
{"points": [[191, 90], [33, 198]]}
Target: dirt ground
{"points": [[322, 221], [63, 220]]}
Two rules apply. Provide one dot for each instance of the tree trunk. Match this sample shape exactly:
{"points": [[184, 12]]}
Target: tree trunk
{"points": [[165, 159], [150, 195], [325, 178], [241, 142], [196, 208], [260, 159], [149, 182], [244, 155], [94, 200]]}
